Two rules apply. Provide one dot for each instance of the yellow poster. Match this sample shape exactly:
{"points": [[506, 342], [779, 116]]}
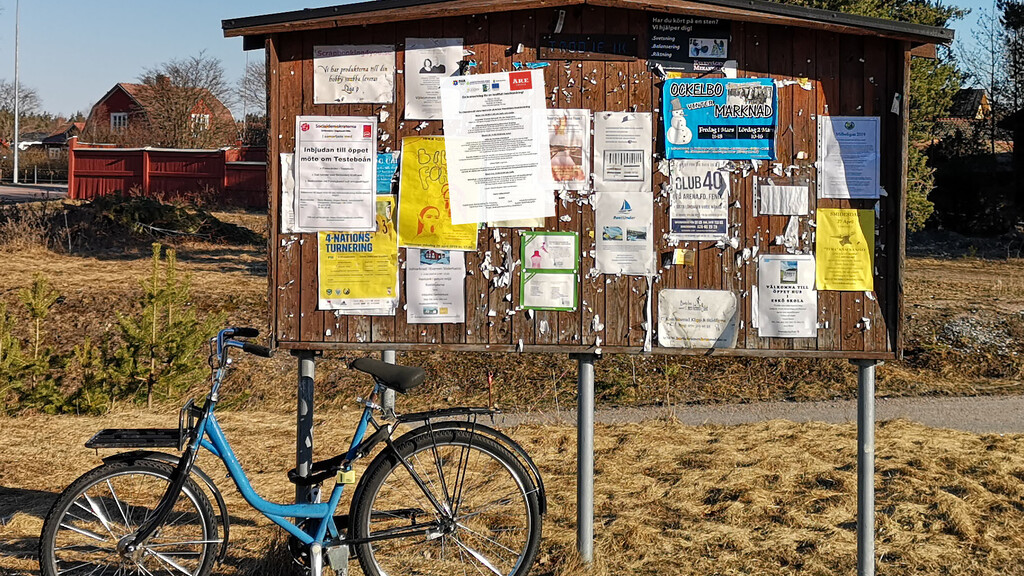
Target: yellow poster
{"points": [[424, 214], [845, 249], [358, 271]]}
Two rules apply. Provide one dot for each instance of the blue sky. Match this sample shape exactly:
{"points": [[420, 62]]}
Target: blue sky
{"points": [[73, 51]]}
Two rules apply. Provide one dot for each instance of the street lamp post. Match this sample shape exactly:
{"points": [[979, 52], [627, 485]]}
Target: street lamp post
{"points": [[17, 87]]}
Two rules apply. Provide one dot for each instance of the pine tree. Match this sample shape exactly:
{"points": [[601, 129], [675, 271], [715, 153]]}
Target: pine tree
{"points": [[933, 83], [161, 345], [11, 359], [38, 300]]}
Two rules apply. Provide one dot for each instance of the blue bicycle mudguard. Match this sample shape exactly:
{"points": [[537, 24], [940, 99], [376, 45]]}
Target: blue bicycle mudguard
{"points": [[173, 460]]}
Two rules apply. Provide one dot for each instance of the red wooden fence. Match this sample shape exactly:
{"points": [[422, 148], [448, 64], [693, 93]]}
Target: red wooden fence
{"points": [[232, 176]]}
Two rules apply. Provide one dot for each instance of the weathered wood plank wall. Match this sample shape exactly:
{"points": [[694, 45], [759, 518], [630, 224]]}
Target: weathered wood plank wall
{"points": [[850, 75]]}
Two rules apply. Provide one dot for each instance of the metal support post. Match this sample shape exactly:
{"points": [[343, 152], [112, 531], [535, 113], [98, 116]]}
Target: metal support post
{"points": [[585, 456], [304, 424], [865, 467], [388, 401]]}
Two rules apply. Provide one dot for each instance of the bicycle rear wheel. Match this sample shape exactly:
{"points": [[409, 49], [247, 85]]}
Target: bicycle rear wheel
{"points": [[482, 515], [82, 531]]}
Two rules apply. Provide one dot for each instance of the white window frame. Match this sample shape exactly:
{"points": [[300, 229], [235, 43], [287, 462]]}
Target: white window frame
{"points": [[118, 121], [200, 122]]}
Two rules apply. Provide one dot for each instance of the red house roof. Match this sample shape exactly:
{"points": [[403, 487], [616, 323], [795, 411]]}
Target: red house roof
{"points": [[142, 98]]}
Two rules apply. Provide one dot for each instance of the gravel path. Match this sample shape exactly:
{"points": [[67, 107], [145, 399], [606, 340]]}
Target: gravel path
{"points": [[983, 415]]}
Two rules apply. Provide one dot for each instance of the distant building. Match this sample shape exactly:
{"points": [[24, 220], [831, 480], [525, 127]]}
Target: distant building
{"points": [[970, 106], [56, 143], [161, 115]]}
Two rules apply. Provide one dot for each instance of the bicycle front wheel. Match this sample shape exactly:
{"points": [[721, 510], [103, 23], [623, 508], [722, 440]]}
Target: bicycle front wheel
{"points": [[464, 505], [107, 504]]}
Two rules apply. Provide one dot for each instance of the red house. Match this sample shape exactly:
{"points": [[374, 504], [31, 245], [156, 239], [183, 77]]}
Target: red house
{"points": [[161, 115]]}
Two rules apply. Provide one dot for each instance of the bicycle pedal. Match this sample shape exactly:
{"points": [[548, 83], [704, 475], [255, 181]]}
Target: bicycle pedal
{"points": [[337, 559]]}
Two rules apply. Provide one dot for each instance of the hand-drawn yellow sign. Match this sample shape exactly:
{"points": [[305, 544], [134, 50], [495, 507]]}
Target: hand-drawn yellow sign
{"points": [[424, 212]]}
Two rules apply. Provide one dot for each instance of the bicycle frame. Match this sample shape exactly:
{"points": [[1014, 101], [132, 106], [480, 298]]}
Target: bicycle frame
{"points": [[211, 437]]}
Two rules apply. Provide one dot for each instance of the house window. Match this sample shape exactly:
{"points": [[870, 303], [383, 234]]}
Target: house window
{"points": [[55, 153], [200, 122], [118, 121]]}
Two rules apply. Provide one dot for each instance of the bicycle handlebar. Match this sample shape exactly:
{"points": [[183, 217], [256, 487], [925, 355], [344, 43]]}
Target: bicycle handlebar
{"points": [[245, 332], [256, 349]]}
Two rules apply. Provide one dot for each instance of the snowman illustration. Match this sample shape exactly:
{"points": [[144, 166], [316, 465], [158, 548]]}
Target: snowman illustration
{"points": [[678, 133]]}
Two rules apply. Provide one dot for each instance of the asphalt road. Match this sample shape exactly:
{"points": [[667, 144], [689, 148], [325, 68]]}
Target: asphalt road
{"points": [[32, 192], [983, 415]]}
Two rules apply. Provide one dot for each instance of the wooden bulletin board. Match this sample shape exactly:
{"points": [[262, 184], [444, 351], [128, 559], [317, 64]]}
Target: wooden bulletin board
{"points": [[849, 74]]}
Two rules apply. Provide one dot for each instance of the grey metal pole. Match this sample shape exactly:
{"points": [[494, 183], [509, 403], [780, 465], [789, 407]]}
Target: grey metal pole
{"points": [[585, 457], [304, 424], [388, 401], [865, 467], [17, 87]]}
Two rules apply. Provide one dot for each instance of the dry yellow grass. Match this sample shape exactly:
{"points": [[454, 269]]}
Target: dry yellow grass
{"points": [[965, 284], [768, 498]]}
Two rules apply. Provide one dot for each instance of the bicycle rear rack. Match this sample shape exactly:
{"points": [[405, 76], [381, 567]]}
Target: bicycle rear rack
{"points": [[150, 437]]}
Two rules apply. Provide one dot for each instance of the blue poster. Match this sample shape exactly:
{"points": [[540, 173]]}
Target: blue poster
{"points": [[719, 118], [387, 165]]}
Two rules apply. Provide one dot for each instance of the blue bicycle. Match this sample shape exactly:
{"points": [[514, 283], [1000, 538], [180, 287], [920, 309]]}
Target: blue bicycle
{"points": [[451, 496]]}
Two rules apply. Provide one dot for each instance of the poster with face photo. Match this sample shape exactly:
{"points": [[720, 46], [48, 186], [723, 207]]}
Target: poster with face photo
{"points": [[428, 62], [719, 118]]}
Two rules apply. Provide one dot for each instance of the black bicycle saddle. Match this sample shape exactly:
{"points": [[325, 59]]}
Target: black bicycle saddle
{"points": [[400, 378]]}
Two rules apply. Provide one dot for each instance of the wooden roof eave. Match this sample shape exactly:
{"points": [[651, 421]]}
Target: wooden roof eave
{"points": [[742, 15], [721, 9], [424, 12]]}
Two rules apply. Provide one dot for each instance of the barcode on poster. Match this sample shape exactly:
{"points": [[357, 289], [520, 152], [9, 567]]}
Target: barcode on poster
{"points": [[624, 157], [624, 165]]}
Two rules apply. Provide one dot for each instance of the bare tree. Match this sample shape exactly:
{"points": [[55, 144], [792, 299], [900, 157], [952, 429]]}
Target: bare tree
{"points": [[195, 72], [186, 103], [252, 88], [984, 63], [28, 101], [28, 105], [252, 94]]}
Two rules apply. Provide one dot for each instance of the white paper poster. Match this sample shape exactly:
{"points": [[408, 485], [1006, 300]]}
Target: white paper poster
{"points": [[697, 318], [698, 200], [288, 195], [496, 142], [569, 138], [435, 286], [549, 292], [777, 200], [354, 74], [429, 63], [787, 304], [335, 172], [622, 152], [549, 279], [848, 156], [624, 223]]}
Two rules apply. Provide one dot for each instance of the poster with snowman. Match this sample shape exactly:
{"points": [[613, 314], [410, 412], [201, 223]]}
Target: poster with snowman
{"points": [[719, 118]]}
